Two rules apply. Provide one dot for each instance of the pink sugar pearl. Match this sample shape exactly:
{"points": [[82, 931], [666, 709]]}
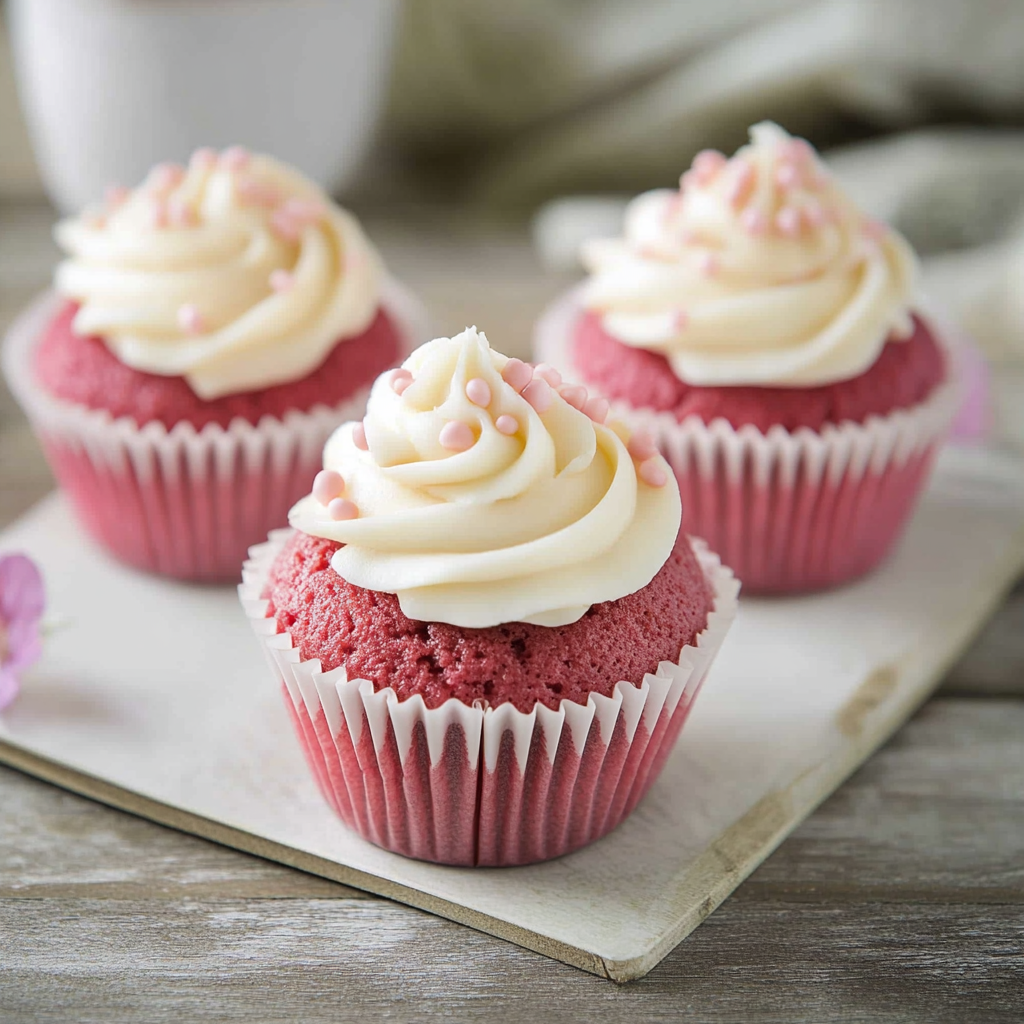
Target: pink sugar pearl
{"points": [[164, 177], [789, 221], [478, 391], [285, 226], [327, 485], [641, 446], [341, 508], [538, 394], [234, 158], [517, 374], [190, 320], [401, 380], [282, 280], [359, 437], [597, 409], [506, 424], [652, 473], [575, 395], [203, 159], [548, 373], [456, 436], [753, 221]]}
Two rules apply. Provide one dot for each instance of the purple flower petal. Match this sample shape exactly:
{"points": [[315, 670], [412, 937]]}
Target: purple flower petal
{"points": [[21, 588]]}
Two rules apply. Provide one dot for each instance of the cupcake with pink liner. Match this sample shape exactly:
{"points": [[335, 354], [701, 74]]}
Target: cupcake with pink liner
{"points": [[207, 333], [768, 339], [486, 621]]}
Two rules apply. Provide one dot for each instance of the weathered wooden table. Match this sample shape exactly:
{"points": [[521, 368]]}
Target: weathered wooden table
{"points": [[900, 899]]}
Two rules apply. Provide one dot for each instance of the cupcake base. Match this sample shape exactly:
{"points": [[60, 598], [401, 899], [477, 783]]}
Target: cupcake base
{"points": [[788, 511], [182, 502], [478, 785]]}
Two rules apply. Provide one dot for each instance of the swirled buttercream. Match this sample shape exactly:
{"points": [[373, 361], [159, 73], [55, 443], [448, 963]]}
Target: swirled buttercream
{"points": [[236, 273], [758, 270], [481, 490]]}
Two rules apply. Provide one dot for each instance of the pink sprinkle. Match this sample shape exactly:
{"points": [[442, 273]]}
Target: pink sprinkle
{"points": [[788, 220], [742, 183], [549, 373], [203, 159], [342, 508], [285, 226], [456, 436], [235, 158], [709, 264], [688, 179], [874, 229], [359, 437], [517, 374], [478, 391], [787, 175], [158, 214], [652, 473], [400, 380], [164, 177], [190, 320], [307, 211], [815, 214], [753, 221], [575, 395], [180, 213], [507, 424], [798, 150], [538, 394], [282, 280], [641, 446], [707, 163], [94, 220], [327, 485], [258, 192], [680, 320], [597, 409], [115, 195]]}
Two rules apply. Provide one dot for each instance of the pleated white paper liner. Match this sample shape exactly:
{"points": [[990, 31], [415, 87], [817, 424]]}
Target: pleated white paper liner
{"points": [[788, 511], [182, 502], [483, 785]]}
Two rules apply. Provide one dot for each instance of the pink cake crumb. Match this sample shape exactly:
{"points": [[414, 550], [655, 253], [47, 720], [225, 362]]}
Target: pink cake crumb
{"points": [[83, 370], [341, 624], [904, 375]]}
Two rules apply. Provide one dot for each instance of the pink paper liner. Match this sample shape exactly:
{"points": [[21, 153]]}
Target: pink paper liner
{"points": [[789, 512], [181, 502], [480, 785]]}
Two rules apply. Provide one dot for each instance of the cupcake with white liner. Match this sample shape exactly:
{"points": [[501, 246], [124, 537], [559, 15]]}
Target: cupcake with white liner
{"points": [[207, 333], [768, 339], [486, 621]]}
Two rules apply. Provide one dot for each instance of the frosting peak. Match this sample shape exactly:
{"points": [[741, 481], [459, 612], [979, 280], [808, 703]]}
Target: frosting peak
{"points": [[759, 270], [236, 273], [482, 490]]}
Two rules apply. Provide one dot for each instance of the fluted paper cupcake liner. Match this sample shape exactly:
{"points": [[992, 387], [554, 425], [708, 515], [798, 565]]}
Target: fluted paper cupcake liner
{"points": [[183, 502], [788, 511], [482, 785]]}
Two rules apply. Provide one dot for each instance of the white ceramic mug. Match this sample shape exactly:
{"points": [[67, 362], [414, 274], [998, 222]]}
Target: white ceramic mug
{"points": [[111, 87]]}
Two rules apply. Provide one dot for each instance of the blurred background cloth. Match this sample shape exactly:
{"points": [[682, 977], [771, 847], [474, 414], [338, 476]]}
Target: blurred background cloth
{"points": [[503, 106]]}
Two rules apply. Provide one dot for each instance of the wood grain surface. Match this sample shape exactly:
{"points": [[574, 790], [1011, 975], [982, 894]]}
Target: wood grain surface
{"points": [[900, 899]]}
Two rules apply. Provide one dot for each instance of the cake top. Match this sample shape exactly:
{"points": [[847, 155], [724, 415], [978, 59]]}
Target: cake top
{"points": [[482, 490], [236, 273], [759, 270]]}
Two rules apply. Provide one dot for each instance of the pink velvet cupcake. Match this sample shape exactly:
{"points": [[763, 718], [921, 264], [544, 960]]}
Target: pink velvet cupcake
{"points": [[487, 624], [767, 338], [208, 333]]}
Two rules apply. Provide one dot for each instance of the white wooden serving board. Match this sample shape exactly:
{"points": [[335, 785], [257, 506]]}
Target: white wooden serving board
{"points": [[153, 696]]}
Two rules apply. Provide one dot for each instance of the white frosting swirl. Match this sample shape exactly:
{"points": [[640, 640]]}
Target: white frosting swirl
{"points": [[236, 274], [759, 270], [531, 523]]}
